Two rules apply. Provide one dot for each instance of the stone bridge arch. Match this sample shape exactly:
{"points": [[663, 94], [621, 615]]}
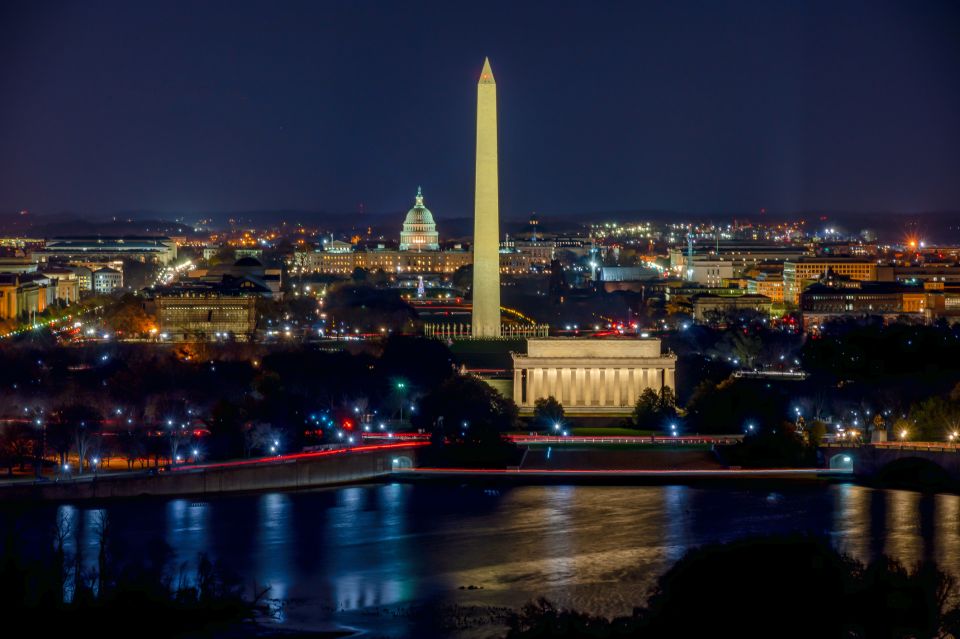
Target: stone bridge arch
{"points": [[401, 462], [913, 472], [842, 460]]}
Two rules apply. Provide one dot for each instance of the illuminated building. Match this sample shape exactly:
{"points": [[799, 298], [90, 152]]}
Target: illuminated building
{"points": [[419, 230], [161, 250], [22, 294], [106, 280], [604, 376], [796, 273], [17, 265], [206, 311], [771, 287], [837, 297], [925, 273], [84, 277], [245, 267], [22, 243], [64, 282], [713, 262]]}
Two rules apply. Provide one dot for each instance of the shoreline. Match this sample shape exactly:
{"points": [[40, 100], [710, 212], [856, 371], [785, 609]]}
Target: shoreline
{"points": [[622, 476]]}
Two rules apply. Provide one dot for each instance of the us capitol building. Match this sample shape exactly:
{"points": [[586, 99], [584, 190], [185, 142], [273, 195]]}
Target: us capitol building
{"points": [[418, 252], [419, 230]]}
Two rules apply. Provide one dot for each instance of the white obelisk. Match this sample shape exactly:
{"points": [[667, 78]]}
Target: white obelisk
{"points": [[486, 213]]}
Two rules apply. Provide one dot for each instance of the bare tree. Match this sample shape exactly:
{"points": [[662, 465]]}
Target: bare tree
{"points": [[62, 531], [102, 531]]}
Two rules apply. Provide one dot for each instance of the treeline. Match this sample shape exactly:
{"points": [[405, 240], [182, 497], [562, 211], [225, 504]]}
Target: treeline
{"points": [[152, 400], [856, 371]]}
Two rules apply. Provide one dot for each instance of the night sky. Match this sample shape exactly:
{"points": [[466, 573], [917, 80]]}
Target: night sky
{"points": [[189, 107]]}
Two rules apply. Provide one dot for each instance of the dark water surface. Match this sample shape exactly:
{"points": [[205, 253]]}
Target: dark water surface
{"points": [[363, 555]]}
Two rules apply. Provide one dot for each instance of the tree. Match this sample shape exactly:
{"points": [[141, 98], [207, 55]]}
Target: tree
{"points": [[936, 419], [462, 278], [127, 316], [903, 429], [816, 430], [645, 410], [83, 423], [465, 409], [132, 446], [226, 422], [17, 442], [547, 412], [667, 403], [421, 362], [262, 437]]}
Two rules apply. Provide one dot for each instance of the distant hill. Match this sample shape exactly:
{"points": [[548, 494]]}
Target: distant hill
{"points": [[940, 227]]}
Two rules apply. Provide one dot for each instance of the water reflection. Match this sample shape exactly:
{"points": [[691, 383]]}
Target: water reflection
{"points": [[556, 545], [946, 516], [395, 552], [187, 533], [65, 536], [601, 548], [851, 521], [903, 539], [274, 530], [676, 517]]}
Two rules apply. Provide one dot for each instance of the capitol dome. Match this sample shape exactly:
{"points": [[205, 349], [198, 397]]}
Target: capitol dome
{"points": [[419, 230]]}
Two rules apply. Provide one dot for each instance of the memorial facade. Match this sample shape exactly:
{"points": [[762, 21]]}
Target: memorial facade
{"points": [[590, 375]]}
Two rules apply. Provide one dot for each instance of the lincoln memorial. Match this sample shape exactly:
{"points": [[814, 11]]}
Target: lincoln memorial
{"points": [[587, 375]]}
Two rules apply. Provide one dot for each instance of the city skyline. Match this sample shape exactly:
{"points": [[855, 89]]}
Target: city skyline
{"points": [[695, 109]]}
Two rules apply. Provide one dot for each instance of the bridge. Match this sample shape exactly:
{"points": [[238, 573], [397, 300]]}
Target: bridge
{"points": [[294, 471], [537, 438], [907, 463]]}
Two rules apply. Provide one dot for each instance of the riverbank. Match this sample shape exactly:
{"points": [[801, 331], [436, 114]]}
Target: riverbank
{"points": [[621, 476], [284, 472]]}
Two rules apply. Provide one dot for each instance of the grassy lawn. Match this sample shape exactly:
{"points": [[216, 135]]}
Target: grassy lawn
{"points": [[639, 446], [594, 431], [602, 431]]}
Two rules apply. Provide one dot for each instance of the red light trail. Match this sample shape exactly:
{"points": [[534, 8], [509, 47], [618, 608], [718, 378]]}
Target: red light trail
{"points": [[296, 456]]}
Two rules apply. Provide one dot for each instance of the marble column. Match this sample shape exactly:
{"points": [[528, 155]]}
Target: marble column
{"points": [[517, 390]]}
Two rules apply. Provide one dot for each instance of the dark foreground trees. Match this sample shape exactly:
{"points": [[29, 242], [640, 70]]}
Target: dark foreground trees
{"points": [[467, 418], [132, 588], [771, 587], [548, 413]]}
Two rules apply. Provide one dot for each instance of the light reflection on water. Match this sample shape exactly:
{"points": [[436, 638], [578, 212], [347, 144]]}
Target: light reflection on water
{"points": [[360, 548]]}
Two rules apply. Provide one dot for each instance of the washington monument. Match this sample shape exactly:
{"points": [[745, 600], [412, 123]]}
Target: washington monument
{"points": [[486, 213]]}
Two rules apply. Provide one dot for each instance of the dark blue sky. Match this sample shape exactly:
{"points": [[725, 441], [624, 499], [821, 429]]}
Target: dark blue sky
{"points": [[696, 106]]}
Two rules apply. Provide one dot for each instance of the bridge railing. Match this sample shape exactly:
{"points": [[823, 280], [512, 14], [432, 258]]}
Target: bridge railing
{"points": [[580, 439], [625, 439], [940, 447]]}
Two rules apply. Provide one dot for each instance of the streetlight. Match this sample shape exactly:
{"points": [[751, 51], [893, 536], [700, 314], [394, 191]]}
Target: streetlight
{"points": [[401, 388]]}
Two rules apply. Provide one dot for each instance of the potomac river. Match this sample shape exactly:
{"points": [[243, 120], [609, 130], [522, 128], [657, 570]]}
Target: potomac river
{"points": [[392, 558]]}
